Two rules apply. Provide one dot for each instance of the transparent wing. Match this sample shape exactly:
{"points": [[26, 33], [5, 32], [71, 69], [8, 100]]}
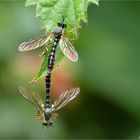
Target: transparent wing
{"points": [[40, 117], [68, 49], [32, 97], [53, 117], [65, 98], [33, 44]]}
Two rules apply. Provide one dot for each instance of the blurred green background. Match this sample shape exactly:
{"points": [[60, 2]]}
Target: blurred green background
{"points": [[108, 73]]}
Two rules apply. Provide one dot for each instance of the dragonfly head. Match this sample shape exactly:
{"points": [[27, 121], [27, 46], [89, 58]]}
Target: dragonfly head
{"points": [[62, 24], [47, 123], [48, 113]]}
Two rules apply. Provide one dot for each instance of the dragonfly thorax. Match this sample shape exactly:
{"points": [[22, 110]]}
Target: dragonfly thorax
{"points": [[48, 111], [58, 30]]}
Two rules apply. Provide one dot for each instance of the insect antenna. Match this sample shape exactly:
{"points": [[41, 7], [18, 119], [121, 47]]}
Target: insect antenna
{"points": [[63, 17]]}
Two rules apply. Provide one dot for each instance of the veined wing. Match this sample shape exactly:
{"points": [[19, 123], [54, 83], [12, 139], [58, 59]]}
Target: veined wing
{"points": [[32, 97], [53, 117], [36, 43], [65, 98], [40, 117], [68, 49]]}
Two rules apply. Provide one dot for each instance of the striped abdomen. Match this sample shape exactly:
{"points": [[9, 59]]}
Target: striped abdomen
{"points": [[51, 60], [48, 83]]}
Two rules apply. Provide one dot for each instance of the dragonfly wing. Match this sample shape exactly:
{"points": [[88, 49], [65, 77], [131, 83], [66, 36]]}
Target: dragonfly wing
{"points": [[53, 117], [32, 97], [40, 117], [68, 49], [33, 44], [65, 98]]}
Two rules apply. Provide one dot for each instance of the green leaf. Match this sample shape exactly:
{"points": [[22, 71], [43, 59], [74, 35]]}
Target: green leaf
{"points": [[44, 67], [50, 12], [59, 56], [31, 2]]}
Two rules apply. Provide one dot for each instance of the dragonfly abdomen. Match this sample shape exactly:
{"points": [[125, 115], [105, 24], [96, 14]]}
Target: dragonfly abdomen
{"points": [[51, 60], [48, 81], [52, 55]]}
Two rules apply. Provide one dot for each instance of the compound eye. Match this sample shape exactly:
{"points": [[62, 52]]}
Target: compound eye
{"points": [[45, 123], [59, 24], [51, 123]]}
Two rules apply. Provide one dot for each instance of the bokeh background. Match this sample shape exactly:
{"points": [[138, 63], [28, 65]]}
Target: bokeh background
{"points": [[108, 73]]}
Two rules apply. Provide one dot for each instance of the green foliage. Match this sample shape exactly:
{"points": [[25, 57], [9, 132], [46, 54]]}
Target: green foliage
{"points": [[43, 69], [50, 12]]}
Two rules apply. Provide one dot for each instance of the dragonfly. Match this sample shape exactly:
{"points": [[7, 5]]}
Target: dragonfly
{"points": [[56, 38], [47, 116]]}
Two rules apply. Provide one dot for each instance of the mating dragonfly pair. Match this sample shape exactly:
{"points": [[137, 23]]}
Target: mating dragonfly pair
{"points": [[46, 112]]}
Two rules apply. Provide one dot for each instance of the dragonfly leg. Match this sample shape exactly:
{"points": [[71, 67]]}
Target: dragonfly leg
{"points": [[74, 29], [45, 51], [72, 39]]}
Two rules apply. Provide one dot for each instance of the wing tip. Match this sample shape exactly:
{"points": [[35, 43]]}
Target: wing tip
{"points": [[76, 58], [20, 88], [21, 48], [78, 89]]}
